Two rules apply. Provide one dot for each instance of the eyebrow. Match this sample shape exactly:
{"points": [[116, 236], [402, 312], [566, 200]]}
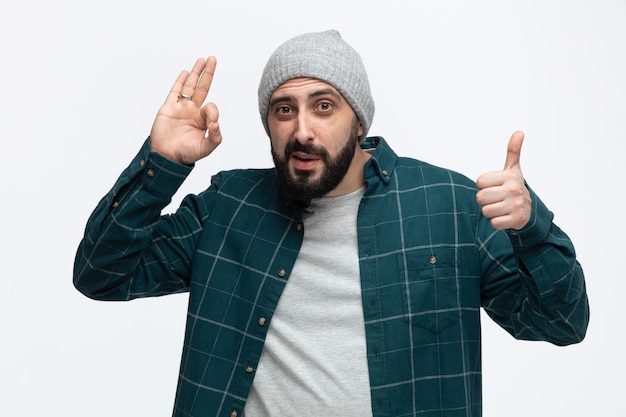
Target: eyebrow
{"points": [[317, 93], [326, 91]]}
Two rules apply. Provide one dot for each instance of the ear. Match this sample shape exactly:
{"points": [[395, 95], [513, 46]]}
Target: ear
{"points": [[360, 130]]}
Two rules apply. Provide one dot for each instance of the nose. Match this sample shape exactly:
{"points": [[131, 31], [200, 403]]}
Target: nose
{"points": [[303, 130]]}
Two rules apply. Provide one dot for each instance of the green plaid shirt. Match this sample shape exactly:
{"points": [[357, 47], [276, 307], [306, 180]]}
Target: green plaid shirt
{"points": [[428, 261]]}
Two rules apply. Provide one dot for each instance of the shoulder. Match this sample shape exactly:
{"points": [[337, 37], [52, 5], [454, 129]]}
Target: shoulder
{"points": [[254, 186], [411, 171], [244, 178], [416, 171], [233, 189]]}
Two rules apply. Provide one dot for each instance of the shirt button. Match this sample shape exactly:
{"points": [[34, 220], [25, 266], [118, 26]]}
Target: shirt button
{"points": [[432, 260], [262, 321], [281, 272], [142, 163], [385, 173], [299, 227], [150, 172], [115, 204], [233, 413], [249, 369]]}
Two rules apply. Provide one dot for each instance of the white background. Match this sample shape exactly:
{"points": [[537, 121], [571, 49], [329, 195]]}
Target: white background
{"points": [[82, 81]]}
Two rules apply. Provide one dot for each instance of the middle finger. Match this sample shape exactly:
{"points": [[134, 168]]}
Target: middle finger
{"points": [[204, 83], [189, 85]]}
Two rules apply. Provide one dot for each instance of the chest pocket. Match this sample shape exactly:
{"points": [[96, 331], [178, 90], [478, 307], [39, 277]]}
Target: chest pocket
{"points": [[430, 289]]}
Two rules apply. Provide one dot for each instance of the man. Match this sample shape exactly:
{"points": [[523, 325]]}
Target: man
{"points": [[346, 280]]}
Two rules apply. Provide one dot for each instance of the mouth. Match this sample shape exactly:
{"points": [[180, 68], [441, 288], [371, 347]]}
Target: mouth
{"points": [[304, 161]]}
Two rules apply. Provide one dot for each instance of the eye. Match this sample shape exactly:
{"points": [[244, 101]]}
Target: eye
{"points": [[325, 106], [283, 110]]}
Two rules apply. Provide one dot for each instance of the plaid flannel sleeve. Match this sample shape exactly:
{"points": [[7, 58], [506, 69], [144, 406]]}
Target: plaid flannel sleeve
{"points": [[540, 293], [121, 255]]}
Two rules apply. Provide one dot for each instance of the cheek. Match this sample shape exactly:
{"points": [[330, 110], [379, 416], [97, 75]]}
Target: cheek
{"points": [[278, 134], [342, 137], [274, 133], [276, 147]]}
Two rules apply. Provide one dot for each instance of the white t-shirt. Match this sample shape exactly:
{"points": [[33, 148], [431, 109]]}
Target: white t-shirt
{"points": [[314, 359]]}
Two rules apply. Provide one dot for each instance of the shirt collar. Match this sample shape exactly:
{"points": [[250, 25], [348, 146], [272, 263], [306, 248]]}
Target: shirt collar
{"points": [[383, 161]]}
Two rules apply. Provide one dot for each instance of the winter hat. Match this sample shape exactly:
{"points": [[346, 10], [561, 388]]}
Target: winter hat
{"points": [[326, 57]]}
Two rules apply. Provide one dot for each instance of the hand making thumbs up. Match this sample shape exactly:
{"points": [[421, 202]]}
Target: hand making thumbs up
{"points": [[503, 194]]}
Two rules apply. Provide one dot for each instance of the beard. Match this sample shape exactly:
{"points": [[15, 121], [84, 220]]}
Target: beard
{"points": [[301, 186]]}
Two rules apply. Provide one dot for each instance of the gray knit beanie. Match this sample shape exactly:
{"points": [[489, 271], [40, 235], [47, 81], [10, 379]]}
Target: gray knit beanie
{"points": [[326, 57]]}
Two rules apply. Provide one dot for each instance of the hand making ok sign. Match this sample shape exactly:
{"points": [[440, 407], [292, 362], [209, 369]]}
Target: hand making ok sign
{"points": [[185, 130]]}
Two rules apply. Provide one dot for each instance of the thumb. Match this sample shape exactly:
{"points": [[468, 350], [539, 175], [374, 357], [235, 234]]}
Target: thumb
{"points": [[513, 150], [211, 117]]}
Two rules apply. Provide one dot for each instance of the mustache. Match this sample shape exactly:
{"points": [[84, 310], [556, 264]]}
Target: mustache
{"points": [[296, 146]]}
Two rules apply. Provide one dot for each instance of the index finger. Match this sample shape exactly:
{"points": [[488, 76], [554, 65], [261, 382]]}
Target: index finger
{"points": [[172, 96], [204, 83]]}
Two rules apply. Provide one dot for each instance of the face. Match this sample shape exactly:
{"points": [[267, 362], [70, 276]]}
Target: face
{"points": [[315, 140]]}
